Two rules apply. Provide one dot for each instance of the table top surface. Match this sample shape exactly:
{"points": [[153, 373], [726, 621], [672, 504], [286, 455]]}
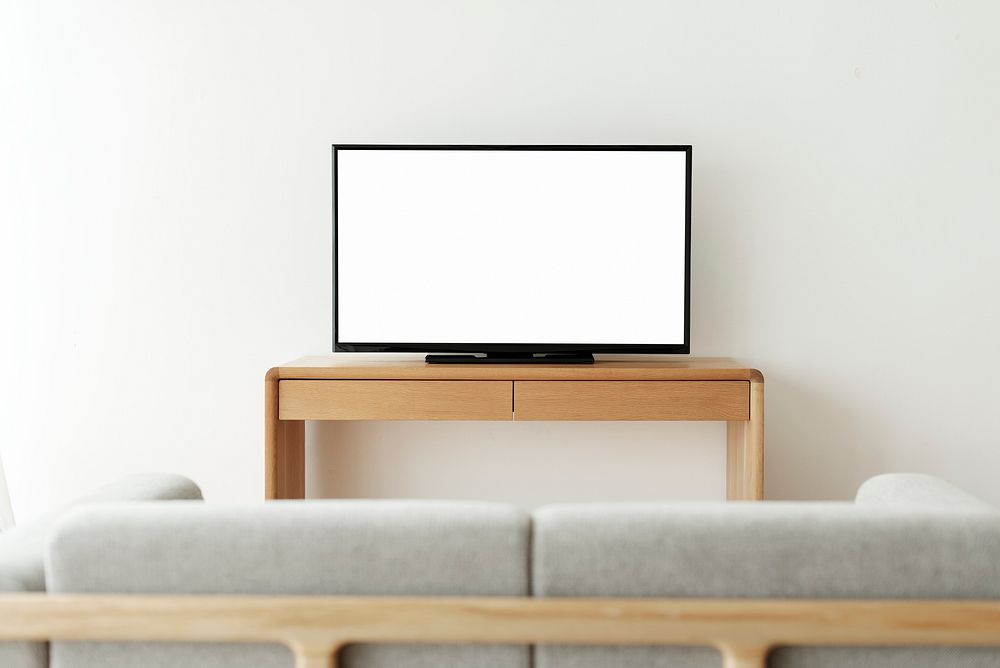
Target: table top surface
{"points": [[347, 366]]}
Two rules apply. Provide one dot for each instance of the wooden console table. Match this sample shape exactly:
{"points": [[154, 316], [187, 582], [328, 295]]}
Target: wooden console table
{"points": [[331, 387]]}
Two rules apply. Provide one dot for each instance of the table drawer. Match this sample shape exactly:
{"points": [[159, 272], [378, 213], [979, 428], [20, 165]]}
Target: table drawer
{"points": [[631, 400], [394, 400]]}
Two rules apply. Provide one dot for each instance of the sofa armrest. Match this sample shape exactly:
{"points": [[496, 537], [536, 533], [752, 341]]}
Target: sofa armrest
{"points": [[145, 487], [22, 548], [918, 490]]}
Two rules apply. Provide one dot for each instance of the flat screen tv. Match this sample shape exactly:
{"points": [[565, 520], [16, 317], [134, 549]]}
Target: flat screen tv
{"points": [[511, 253]]}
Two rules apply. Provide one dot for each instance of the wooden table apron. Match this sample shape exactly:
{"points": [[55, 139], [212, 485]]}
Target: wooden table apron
{"points": [[327, 388]]}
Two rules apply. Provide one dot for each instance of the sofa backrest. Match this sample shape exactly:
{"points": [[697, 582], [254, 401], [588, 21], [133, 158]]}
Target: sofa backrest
{"points": [[766, 550], [877, 548], [334, 548]]}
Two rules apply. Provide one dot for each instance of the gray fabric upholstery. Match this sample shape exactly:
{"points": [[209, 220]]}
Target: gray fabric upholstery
{"points": [[21, 551], [324, 547], [144, 487], [916, 490], [22, 548], [768, 550], [908, 536]]}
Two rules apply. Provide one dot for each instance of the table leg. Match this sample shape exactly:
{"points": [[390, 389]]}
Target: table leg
{"points": [[284, 448], [745, 451]]}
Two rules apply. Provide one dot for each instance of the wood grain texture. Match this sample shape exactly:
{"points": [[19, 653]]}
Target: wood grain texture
{"points": [[631, 400], [745, 451], [291, 453], [284, 448], [342, 366], [314, 627], [328, 388], [314, 654], [744, 656], [271, 465], [394, 400], [736, 434]]}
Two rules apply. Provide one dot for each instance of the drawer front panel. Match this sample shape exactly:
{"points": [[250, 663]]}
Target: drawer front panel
{"points": [[394, 400], [631, 400]]}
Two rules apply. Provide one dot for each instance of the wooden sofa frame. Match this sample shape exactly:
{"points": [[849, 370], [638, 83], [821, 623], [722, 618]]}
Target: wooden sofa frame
{"points": [[315, 627]]}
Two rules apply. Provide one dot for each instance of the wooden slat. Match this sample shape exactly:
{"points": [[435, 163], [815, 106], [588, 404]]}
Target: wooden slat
{"points": [[631, 400], [347, 367], [315, 626], [394, 400]]}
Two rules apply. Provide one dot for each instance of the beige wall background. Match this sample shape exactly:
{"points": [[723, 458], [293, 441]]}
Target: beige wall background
{"points": [[165, 212]]}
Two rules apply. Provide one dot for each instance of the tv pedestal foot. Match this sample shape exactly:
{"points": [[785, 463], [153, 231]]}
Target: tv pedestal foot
{"points": [[330, 388]]}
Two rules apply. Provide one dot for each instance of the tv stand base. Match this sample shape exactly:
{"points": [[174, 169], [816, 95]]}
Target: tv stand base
{"points": [[513, 358], [329, 387]]}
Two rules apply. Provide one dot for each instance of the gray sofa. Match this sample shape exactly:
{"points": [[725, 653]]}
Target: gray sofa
{"points": [[905, 537], [22, 549]]}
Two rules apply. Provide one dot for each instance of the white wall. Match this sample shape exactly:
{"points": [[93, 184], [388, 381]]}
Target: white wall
{"points": [[165, 210], [6, 511]]}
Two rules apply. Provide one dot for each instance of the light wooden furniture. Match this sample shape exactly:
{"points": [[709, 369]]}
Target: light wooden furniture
{"points": [[334, 388], [315, 627]]}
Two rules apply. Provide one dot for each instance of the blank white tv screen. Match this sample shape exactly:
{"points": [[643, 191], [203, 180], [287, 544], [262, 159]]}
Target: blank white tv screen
{"points": [[531, 246]]}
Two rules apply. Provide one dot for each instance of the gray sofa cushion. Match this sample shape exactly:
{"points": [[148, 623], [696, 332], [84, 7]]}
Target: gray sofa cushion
{"points": [[323, 547], [22, 548], [767, 550]]}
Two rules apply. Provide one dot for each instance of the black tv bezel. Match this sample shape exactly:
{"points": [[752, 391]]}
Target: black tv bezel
{"points": [[582, 348]]}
